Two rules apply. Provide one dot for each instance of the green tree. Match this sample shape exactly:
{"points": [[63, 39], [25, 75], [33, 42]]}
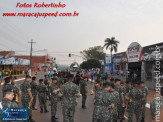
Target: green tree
{"points": [[90, 63], [111, 44], [94, 53]]}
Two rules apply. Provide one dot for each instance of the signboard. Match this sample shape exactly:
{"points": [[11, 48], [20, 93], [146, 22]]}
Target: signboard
{"points": [[134, 52], [108, 58], [150, 52], [14, 114]]}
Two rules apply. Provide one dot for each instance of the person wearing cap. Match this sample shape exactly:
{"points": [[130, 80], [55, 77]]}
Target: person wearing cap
{"points": [[7, 100], [27, 97], [106, 104], [69, 92], [145, 92], [47, 84], [122, 108], [121, 97], [84, 91], [135, 99], [156, 107], [54, 89], [41, 89], [7, 85], [34, 92], [128, 88], [115, 100]]}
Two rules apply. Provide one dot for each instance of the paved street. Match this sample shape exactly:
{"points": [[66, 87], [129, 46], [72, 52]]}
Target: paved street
{"points": [[81, 115]]}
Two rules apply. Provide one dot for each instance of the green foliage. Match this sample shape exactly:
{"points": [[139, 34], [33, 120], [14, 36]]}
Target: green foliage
{"points": [[90, 63], [94, 53]]}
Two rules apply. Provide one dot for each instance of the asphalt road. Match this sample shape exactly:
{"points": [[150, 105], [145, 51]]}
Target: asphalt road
{"points": [[81, 115]]}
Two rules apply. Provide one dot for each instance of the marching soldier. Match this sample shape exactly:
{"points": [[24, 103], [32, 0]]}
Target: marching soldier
{"points": [[128, 88], [7, 85], [115, 100], [47, 84], [145, 92], [69, 92], [122, 99], [156, 107], [41, 89], [27, 97], [135, 99], [54, 89], [84, 91], [34, 92], [122, 108]]}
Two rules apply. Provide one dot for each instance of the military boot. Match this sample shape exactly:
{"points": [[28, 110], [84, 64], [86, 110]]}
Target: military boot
{"points": [[142, 120], [30, 119], [53, 119], [45, 110], [41, 110]]}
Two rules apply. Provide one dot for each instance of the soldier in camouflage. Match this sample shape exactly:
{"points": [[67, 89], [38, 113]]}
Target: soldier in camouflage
{"points": [[54, 89], [41, 89], [156, 107], [7, 85], [84, 91], [69, 92], [7, 100], [47, 84], [135, 99], [115, 100], [128, 88], [121, 98], [145, 92], [34, 92], [27, 97]]}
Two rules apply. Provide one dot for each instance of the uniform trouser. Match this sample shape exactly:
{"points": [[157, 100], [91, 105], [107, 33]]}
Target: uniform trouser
{"points": [[42, 102], [68, 113], [53, 107], [25, 104], [137, 111], [34, 101], [121, 112], [143, 111], [84, 97]]}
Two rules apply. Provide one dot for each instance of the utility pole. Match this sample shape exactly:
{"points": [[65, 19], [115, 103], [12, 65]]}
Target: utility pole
{"points": [[31, 52]]}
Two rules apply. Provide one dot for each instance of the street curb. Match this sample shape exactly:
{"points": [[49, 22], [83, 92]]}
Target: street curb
{"points": [[16, 80]]}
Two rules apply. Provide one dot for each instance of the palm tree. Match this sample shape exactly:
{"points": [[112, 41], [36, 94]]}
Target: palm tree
{"points": [[112, 44]]}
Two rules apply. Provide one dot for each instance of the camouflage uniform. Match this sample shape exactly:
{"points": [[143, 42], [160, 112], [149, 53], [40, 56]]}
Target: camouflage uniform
{"points": [[25, 99], [6, 103], [115, 100], [106, 102], [83, 86], [155, 102], [41, 89], [54, 99], [135, 98], [47, 84], [10, 86], [97, 113], [34, 92], [128, 88], [120, 108], [145, 92], [68, 92]]}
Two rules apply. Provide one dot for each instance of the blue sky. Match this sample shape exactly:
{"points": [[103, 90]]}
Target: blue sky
{"points": [[126, 20]]}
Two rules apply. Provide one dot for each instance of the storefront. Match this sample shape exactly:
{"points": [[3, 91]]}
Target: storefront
{"points": [[139, 62]]}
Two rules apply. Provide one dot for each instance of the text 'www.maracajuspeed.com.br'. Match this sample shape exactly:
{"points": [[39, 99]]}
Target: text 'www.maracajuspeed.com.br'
{"points": [[36, 15]]}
